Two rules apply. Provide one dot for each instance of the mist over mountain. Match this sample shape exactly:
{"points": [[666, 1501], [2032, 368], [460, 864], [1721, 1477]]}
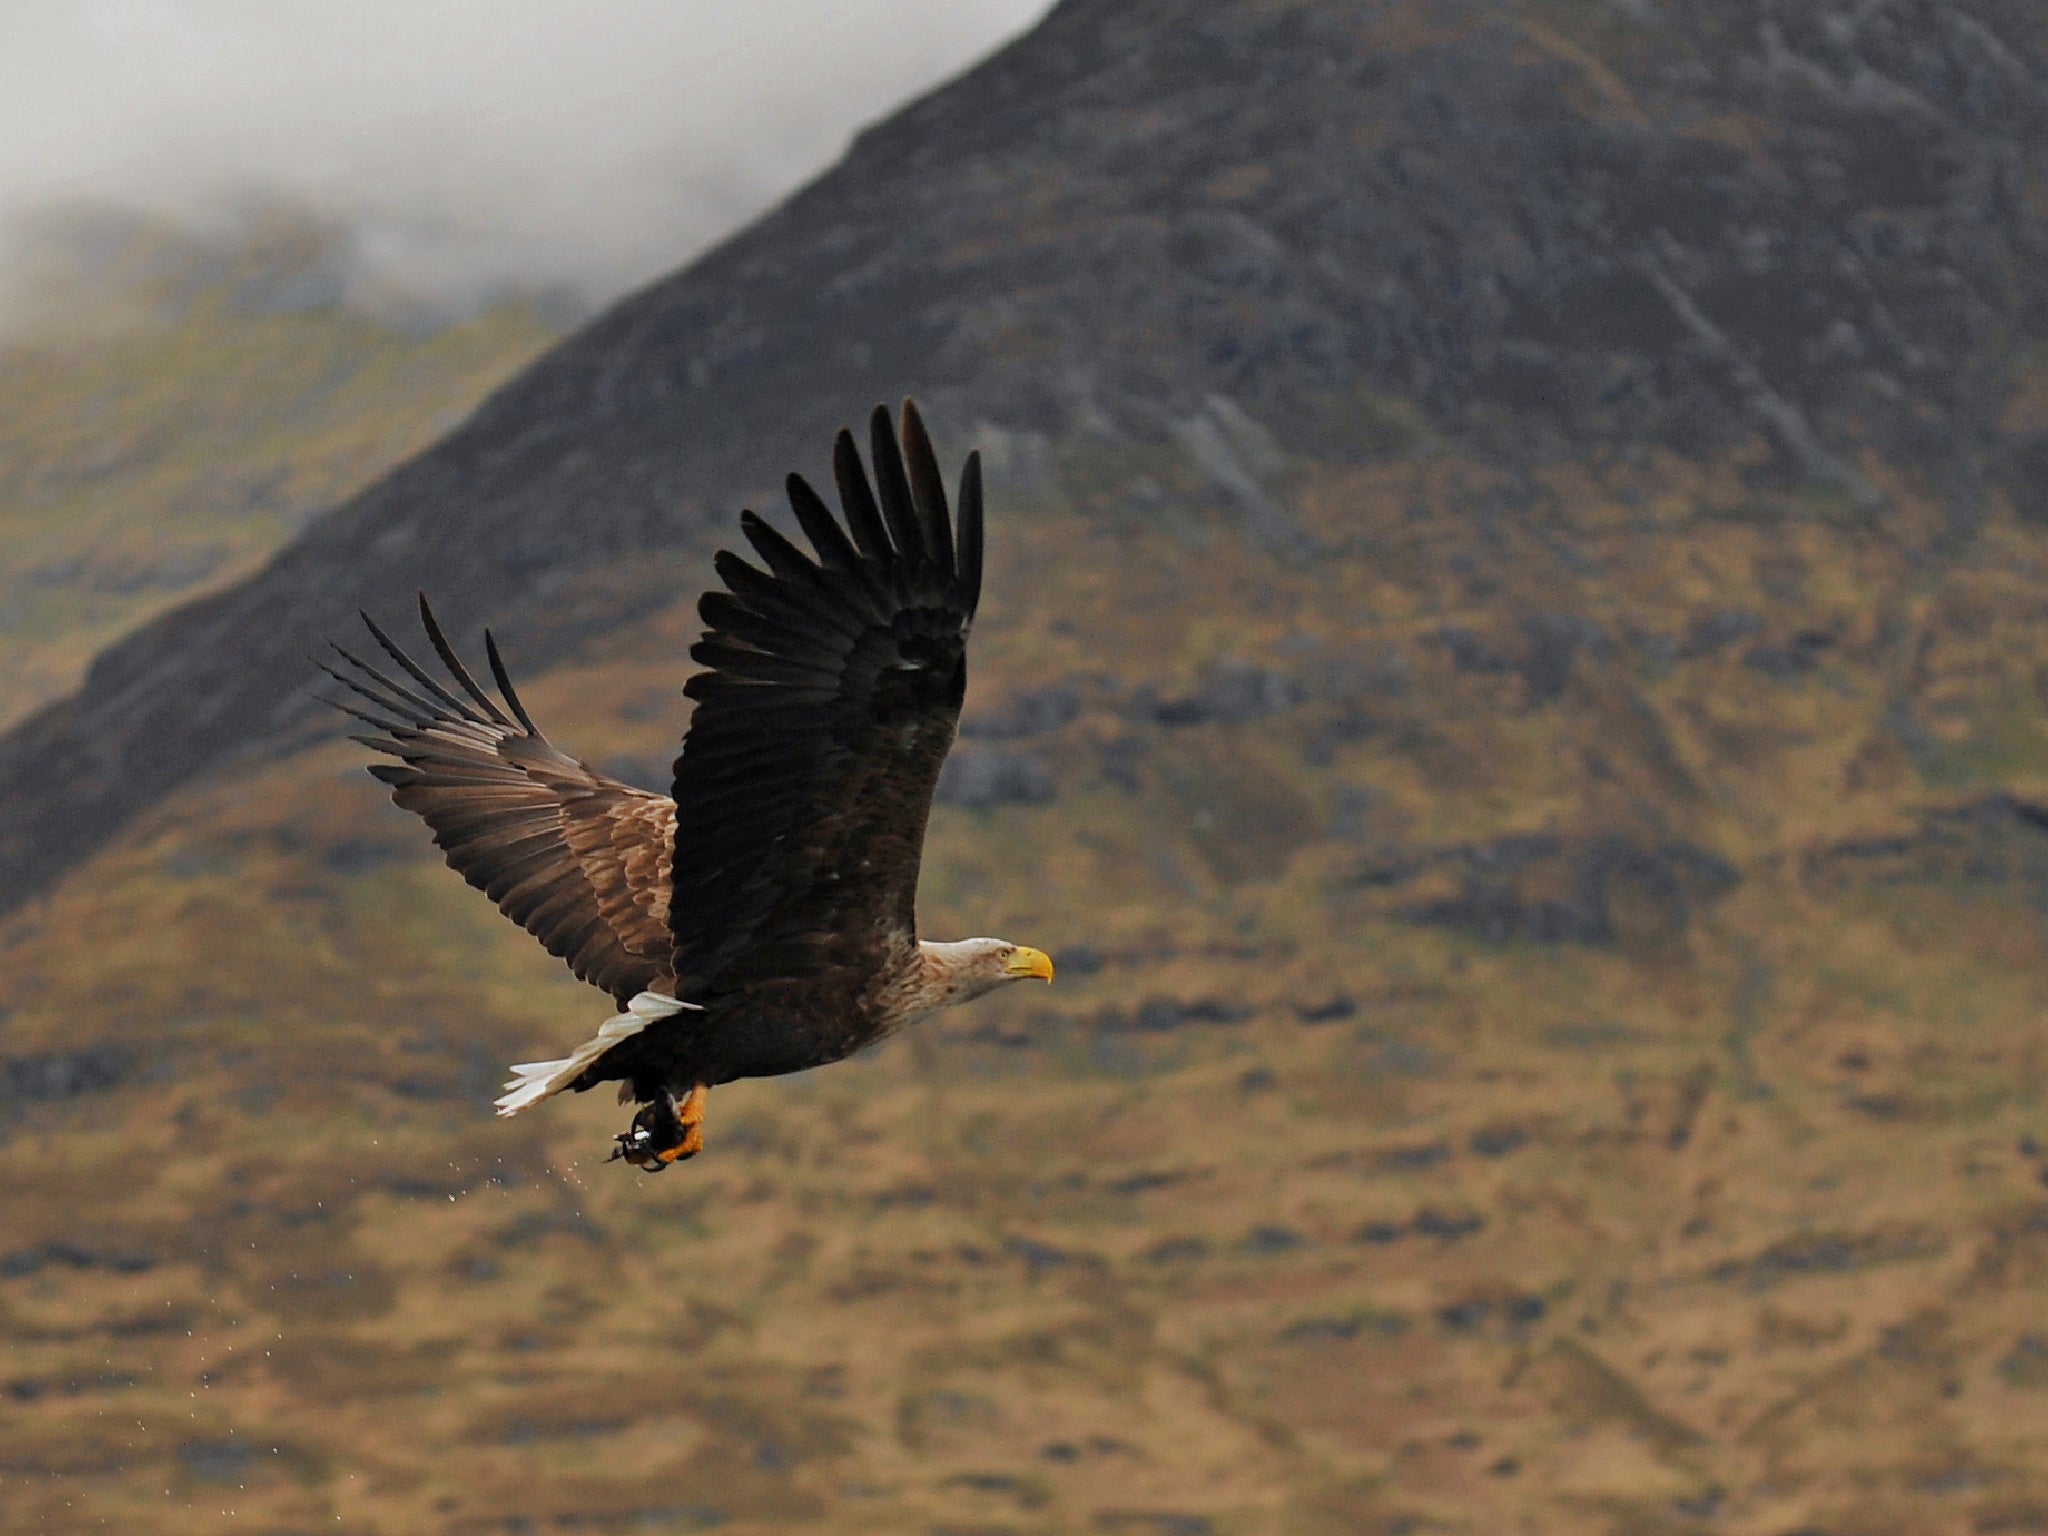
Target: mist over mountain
{"points": [[467, 150], [182, 404]]}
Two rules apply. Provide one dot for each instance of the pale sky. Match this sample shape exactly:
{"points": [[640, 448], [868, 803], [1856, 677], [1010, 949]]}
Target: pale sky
{"points": [[469, 143]]}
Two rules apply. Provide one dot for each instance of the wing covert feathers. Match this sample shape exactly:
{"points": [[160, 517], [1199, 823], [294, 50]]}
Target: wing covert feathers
{"points": [[831, 689], [577, 859]]}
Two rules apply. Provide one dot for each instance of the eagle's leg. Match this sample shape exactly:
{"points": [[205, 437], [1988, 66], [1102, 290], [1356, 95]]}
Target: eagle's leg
{"points": [[664, 1131], [690, 1117]]}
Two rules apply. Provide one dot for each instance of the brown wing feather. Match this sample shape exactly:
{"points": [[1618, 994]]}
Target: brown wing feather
{"points": [[831, 693], [577, 859]]}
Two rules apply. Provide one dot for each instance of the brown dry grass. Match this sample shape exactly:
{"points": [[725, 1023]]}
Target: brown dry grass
{"points": [[1724, 1225]]}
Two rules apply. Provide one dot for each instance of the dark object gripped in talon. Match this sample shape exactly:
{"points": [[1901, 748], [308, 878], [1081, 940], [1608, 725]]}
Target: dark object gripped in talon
{"points": [[656, 1138], [635, 1147]]}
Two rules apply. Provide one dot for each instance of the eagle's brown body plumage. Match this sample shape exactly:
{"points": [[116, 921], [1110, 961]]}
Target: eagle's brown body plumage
{"points": [[762, 918]]}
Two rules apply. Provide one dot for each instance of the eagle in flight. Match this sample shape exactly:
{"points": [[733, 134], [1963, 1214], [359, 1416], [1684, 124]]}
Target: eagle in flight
{"points": [[761, 918]]}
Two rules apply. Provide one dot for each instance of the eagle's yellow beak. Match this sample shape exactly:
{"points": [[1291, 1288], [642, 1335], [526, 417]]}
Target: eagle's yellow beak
{"points": [[1029, 962]]}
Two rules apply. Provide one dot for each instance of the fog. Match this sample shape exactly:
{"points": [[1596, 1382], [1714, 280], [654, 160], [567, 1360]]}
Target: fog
{"points": [[468, 146]]}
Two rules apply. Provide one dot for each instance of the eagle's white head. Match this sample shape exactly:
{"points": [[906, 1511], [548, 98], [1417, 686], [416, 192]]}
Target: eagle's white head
{"points": [[969, 968]]}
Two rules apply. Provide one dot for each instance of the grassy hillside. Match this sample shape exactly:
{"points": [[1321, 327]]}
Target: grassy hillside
{"points": [[1549, 1038], [173, 409], [1553, 928]]}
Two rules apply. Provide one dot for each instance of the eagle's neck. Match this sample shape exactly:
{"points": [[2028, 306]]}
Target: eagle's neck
{"points": [[931, 977], [952, 973]]}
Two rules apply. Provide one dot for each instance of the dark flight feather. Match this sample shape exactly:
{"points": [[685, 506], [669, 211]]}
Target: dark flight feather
{"points": [[927, 490], [857, 499], [504, 680], [967, 560], [833, 547], [892, 488]]}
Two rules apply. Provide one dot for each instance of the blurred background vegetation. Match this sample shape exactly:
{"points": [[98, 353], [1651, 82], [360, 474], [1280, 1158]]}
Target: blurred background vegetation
{"points": [[1552, 926], [177, 406]]}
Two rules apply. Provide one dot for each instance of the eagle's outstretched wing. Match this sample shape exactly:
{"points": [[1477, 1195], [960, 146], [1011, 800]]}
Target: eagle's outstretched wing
{"points": [[578, 860], [832, 691]]}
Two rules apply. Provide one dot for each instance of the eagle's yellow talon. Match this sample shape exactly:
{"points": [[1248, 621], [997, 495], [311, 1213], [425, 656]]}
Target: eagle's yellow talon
{"points": [[691, 1144], [690, 1116], [690, 1113]]}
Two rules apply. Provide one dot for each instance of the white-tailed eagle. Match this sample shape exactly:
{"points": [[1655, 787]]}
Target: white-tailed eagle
{"points": [[761, 919]]}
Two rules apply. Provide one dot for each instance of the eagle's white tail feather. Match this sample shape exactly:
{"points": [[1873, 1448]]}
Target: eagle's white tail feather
{"points": [[536, 1080]]}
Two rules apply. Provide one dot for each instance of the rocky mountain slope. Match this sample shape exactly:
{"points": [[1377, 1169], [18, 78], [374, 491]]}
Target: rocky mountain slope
{"points": [[1195, 242], [1516, 701]]}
